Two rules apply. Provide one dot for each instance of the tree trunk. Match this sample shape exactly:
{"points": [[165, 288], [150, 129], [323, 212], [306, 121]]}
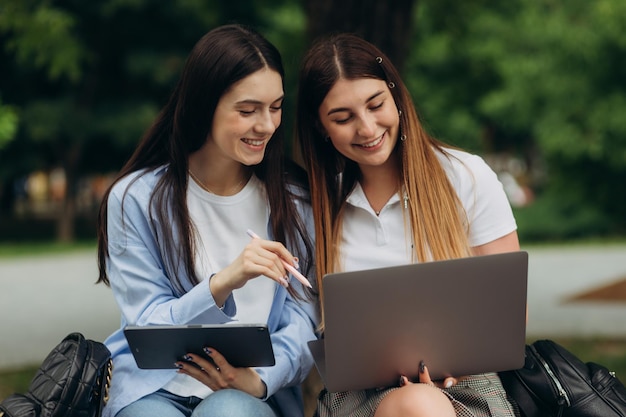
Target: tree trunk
{"points": [[67, 217], [386, 24], [65, 221]]}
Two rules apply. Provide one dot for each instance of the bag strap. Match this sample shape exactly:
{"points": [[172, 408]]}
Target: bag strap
{"points": [[19, 405]]}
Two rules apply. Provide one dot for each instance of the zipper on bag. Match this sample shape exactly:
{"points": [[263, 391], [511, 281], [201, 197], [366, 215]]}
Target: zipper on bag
{"points": [[562, 394]]}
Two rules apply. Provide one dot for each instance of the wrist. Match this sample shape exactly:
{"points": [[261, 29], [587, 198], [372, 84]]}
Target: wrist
{"points": [[262, 391], [219, 291]]}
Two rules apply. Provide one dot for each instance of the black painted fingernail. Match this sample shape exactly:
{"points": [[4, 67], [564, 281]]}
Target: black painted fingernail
{"points": [[178, 365], [207, 350], [187, 358], [422, 367]]}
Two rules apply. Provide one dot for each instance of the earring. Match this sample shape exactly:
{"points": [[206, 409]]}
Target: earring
{"points": [[399, 112], [402, 138]]}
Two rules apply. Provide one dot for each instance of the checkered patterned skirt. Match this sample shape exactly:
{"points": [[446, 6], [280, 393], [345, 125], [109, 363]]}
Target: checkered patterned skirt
{"points": [[473, 396]]}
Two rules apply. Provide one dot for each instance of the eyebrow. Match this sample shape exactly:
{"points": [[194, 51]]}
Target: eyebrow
{"points": [[257, 102], [340, 109]]}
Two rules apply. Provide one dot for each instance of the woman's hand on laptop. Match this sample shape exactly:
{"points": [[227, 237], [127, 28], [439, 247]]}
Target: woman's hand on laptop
{"points": [[424, 378], [218, 374]]}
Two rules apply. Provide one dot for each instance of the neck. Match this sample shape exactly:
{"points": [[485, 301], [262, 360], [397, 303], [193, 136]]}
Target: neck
{"points": [[220, 179], [379, 184]]}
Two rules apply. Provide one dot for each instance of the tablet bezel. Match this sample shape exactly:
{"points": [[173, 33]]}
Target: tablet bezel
{"points": [[160, 347]]}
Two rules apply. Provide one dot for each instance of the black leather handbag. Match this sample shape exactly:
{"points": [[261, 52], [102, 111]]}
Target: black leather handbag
{"points": [[73, 381], [554, 382]]}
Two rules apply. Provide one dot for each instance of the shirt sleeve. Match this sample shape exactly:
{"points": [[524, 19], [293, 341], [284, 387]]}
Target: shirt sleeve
{"points": [[482, 195], [136, 272]]}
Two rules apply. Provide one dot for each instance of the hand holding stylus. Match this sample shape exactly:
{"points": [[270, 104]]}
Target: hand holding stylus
{"points": [[287, 265]]}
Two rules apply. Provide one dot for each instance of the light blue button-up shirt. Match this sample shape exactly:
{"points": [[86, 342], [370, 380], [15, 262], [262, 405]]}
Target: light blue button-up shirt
{"points": [[145, 296]]}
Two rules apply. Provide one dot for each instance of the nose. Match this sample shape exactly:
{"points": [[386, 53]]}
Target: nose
{"points": [[265, 123], [366, 126]]}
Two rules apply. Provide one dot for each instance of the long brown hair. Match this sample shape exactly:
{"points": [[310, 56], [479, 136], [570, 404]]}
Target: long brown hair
{"points": [[219, 59], [438, 222]]}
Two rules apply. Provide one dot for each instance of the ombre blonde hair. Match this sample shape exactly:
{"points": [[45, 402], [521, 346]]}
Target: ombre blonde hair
{"points": [[438, 221]]}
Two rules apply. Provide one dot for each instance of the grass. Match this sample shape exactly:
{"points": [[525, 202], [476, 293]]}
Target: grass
{"points": [[14, 250], [15, 381]]}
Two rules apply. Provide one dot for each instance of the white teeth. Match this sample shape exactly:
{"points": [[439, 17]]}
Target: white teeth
{"points": [[373, 143], [253, 142]]}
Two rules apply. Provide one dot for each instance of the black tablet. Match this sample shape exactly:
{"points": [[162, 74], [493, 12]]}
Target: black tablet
{"points": [[160, 347]]}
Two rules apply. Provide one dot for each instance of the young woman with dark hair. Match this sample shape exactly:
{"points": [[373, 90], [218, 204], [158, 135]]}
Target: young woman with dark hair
{"points": [[172, 240]]}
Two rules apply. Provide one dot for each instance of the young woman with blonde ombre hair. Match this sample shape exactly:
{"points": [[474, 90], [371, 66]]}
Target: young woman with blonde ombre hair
{"points": [[386, 193]]}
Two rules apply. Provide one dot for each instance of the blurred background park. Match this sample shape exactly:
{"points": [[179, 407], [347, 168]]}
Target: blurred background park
{"points": [[538, 88]]}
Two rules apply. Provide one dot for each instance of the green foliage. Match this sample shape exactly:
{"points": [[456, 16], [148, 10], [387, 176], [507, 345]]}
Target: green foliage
{"points": [[551, 218], [557, 79], [542, 80], [8, 124], [44, 37], [85, 73], [285, 29]]}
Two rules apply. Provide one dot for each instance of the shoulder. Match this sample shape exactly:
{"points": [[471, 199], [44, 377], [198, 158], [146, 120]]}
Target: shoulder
{"points": [[138, 184], [465, 169], [132, 193], [461, 162]]}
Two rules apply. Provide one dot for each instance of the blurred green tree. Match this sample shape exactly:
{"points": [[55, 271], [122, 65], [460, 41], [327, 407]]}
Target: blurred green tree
{"points": [[8, 124], [89, 77], [80, 81], [541, 79]]}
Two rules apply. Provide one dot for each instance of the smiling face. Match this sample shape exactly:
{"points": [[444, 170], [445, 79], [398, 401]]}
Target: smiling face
{"points": [[247, 116], [361, 119]]}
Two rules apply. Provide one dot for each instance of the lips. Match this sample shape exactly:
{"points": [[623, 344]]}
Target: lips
{"points": [[253, 142], [373, 143]]}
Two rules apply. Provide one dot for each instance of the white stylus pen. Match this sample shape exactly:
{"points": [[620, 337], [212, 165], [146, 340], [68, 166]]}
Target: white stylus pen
{"points": [[287, 266]]}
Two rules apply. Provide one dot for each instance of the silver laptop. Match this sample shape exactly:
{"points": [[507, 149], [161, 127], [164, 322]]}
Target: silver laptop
{"points": [[461, 317]]}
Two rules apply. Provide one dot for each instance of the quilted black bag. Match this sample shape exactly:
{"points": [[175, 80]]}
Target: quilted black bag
{"points": [[73, 381], [554, 382]]}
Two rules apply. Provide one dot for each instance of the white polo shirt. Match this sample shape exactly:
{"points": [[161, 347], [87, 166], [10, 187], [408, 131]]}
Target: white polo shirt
{"points": [[371, 241]]}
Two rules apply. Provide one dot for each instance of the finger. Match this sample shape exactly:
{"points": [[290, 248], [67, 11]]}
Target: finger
{"points": [[262, 252], [259, 261], [187, 368], [219, 361], [203, 364], [424, 375], [279, 250], [449, 382], [272, 267], [404, 381], [207, 376], [277, 264]]}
